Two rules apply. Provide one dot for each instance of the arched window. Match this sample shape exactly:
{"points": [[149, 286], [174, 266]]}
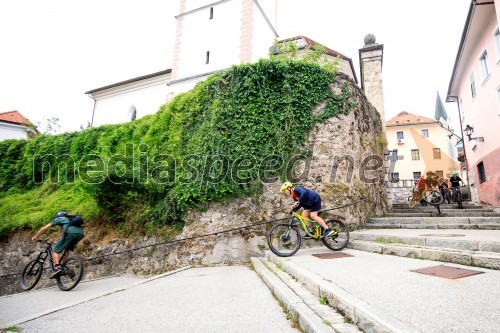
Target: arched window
{"points": [[132, 113]]}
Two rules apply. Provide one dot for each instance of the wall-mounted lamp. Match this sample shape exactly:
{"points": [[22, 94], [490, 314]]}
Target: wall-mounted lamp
{"points": [[469, 130]]}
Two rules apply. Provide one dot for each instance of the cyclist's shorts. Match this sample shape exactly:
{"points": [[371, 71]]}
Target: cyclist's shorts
{"points": [[314, 207], [68, 241], [458, 188]]}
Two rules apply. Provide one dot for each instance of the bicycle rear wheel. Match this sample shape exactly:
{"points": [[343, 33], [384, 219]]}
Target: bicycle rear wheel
{"points": [[459, 200], [72, 273], [340, 236], [31, 274], [433, 197], [284, 239]]}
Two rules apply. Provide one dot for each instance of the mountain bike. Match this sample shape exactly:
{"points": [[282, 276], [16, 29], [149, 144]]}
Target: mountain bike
{"points": [[456, 196], [284, 239], [446, 193], [430, 196], [72, 270]]}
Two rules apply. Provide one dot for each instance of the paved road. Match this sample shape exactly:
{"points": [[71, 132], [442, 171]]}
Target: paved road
{"points": [[213, 299]]}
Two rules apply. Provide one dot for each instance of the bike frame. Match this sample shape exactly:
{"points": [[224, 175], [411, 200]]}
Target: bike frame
{"points": [[302, 221], [47, 254], [455, 192]]}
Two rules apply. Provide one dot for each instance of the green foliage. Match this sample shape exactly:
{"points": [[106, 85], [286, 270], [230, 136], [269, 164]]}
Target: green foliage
{"points": [[218, 141], [315, 54], [35, 208]]}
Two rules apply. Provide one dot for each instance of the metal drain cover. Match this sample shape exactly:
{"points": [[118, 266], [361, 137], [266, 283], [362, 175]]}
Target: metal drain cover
{"points": [[333, 255], [447, 272], [442, 235]]}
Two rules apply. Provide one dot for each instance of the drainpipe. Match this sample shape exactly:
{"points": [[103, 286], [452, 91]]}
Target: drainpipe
{"points": [[93, 111], [463, 145]]}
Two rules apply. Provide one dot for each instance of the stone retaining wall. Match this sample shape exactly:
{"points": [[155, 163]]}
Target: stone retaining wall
{"points": [[338, 151]]}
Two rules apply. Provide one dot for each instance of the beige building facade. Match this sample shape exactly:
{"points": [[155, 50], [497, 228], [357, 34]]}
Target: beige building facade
{"points": [[418, 144]]}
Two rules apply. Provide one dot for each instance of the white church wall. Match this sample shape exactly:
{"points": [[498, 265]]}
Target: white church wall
{"points": [[263, 35], [218, 35], [113, 105]]}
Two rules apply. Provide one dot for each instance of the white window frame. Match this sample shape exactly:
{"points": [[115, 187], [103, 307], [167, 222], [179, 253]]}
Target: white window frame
{"points": [[496, 37], [402, 135], [483, 62], [426, 131], [417, 157]]}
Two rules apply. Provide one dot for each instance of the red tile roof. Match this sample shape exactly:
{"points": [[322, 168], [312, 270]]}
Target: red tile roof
{"points": [[406, 118], [13, 117]]}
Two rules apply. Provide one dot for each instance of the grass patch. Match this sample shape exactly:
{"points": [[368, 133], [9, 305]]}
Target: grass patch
{"points": [[13, 329], [37, 207], [381, 240]]}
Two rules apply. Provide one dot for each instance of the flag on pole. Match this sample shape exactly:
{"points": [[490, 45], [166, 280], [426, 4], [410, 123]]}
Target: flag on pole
{"points": [[440, 111]]}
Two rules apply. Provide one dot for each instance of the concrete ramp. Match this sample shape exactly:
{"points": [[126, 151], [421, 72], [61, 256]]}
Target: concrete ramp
{"points": [[209, 299]]}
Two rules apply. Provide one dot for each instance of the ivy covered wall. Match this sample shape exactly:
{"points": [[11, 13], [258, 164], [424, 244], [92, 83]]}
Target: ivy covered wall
{"points": [[221, 140]]}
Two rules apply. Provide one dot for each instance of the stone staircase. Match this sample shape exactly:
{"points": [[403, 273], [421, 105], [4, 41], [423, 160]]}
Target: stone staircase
{"points": [[463, 236], [300, 293], [419, 217], [319, 303]]}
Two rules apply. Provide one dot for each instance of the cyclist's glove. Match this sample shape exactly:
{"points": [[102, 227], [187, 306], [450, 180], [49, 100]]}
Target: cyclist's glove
{"points": [[296, 207]]}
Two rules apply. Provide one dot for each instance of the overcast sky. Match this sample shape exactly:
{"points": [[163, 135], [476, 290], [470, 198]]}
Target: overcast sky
{"points": [[52, 52]]}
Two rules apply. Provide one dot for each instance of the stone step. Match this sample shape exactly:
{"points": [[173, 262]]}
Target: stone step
{"points": [[304, 307], [443, 206], [432, 226], [454, 240], [366, 317], [431, 209], [468, 221], [463, 257], [444, 213], [452, 205]]}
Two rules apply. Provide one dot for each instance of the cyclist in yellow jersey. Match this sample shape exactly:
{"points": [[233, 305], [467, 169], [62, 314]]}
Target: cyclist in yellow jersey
{"points": [[310, 200]]}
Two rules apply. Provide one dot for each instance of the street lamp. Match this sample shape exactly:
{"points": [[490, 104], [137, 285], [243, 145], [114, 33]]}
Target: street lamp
{"points": [[469, 130]]}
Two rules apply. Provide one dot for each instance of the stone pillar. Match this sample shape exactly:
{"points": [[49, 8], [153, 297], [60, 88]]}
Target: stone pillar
{"points": [[370, 61]]}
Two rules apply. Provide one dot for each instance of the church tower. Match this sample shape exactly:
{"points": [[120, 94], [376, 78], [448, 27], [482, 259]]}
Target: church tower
{"points": [[214, 35], [370, 61]]}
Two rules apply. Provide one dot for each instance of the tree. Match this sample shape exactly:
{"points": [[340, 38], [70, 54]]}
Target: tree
{"points": [[49, 125]]}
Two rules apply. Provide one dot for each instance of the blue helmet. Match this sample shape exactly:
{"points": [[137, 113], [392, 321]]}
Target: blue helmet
{"points": [[61, 213]]}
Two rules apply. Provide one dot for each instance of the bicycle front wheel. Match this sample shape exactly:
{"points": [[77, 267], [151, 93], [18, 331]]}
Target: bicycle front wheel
{"points": [[31, 274], [340, 236], [433, 197], [71, 275], [284, 240]]}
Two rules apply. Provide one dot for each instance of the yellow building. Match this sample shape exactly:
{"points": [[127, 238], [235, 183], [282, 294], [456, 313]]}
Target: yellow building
{"points": [[418, 144]]}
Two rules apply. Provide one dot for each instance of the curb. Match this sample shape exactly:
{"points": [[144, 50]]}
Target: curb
{"points": [[309, 321], [477, 259]]}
